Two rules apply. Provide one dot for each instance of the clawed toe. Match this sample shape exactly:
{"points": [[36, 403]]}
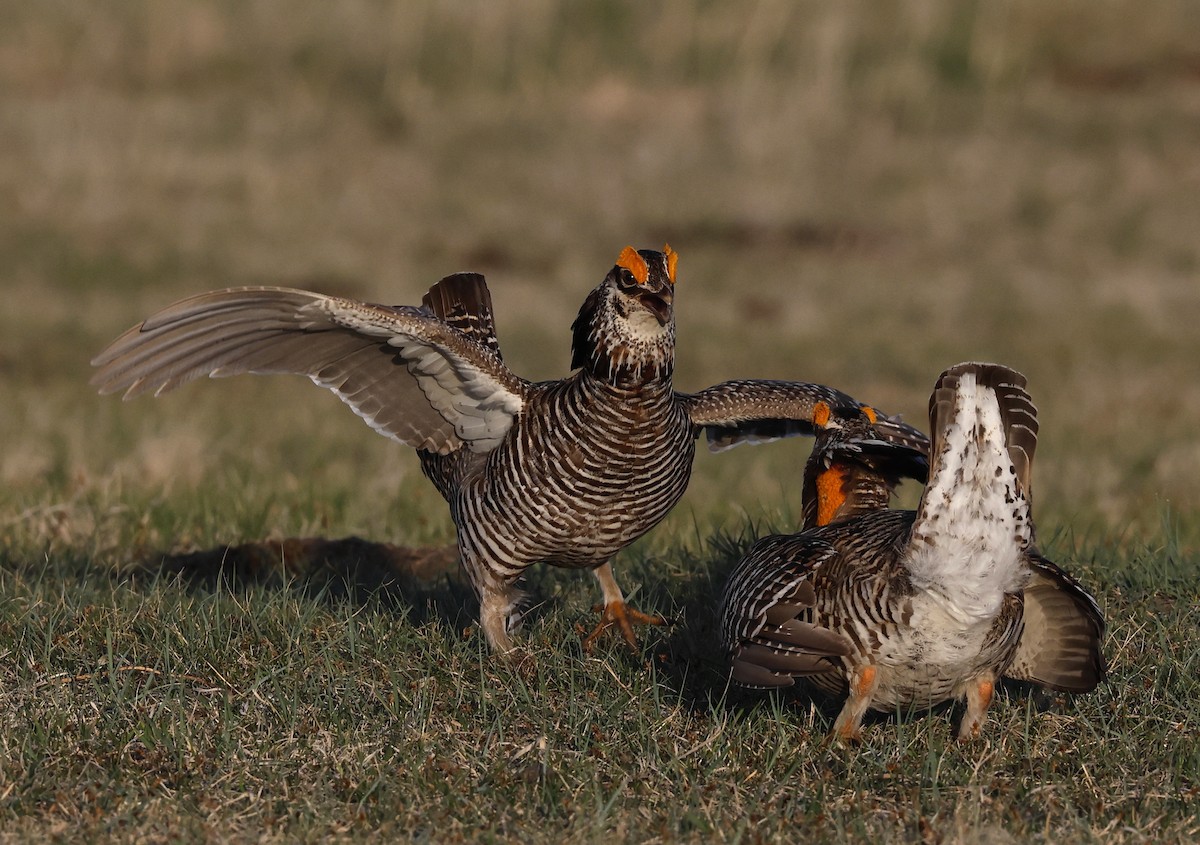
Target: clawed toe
{"points": [[623, 617]]}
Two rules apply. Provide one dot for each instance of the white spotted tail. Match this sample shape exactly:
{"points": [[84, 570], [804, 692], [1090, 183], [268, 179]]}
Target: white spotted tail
{"points": [[974, 523]]}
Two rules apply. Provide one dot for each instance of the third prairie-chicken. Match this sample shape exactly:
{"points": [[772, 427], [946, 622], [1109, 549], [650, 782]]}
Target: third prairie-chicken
{"points": [[564, 472], [853, 470], [907, 609]]}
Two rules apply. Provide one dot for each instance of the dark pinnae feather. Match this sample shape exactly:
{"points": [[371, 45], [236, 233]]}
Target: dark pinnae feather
{"points": [[463, 302]]}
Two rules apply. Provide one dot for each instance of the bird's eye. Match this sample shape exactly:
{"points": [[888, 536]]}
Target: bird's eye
{"points": [[633, 263]]}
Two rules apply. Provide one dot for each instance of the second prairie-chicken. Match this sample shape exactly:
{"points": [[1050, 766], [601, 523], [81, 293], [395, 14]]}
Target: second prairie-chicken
{"points": [[902, 609], [564, 472]]}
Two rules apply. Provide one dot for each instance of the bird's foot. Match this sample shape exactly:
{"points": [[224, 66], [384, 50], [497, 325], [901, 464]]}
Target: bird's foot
{"points": [[850, 736], [979, 698], [623, 617]]}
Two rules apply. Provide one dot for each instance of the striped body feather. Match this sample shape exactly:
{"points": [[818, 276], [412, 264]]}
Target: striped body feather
{"points": [[586, 471]]}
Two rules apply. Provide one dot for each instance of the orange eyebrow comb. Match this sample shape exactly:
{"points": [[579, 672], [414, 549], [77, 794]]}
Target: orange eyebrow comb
{"points": [[634, 263]]}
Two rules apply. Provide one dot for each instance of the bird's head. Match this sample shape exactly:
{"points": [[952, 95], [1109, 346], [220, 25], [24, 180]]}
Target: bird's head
{"points": [[839, 423], [849, 457], [848, 432], [625, 331]]}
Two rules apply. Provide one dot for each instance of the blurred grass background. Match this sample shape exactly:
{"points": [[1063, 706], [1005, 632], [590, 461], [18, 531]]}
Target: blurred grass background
{"points": [[862, 194]]}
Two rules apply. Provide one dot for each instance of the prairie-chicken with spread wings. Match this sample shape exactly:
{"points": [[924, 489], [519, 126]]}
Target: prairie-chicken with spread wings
{"points": [[563, 472]]}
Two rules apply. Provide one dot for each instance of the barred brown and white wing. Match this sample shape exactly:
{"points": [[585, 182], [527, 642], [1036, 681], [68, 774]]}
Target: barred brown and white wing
{"points": [[766, 613], [761, 410], [1060, 645], [410, 376]]}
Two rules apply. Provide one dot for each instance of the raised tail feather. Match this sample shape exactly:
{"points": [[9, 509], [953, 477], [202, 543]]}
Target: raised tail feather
{"points": [[1018, 414]]}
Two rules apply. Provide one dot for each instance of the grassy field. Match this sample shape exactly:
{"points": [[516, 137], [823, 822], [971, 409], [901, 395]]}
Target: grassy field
{"points": [[862, 194]]}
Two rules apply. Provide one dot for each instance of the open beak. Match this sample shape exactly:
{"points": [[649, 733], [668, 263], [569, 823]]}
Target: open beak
{"points": [[658, 304]]}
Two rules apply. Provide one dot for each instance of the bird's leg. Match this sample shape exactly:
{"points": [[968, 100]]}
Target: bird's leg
{"points": [[848, 727], [616, 612], [979, 697], [499, 614], [493, 618]]}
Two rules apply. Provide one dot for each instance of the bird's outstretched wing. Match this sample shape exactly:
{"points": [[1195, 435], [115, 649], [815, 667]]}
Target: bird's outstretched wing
{"points": [[769, 644], [760, 410], [411, 376], [1060, 646]]}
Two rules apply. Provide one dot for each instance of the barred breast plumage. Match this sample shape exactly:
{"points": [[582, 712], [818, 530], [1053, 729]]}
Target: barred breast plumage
{"points": [[565, 472], [912, 608]]}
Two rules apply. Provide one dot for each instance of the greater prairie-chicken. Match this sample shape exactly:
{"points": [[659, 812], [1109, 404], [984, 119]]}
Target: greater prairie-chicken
{"points": [[564, 472], [907, 609], [853, 470]]}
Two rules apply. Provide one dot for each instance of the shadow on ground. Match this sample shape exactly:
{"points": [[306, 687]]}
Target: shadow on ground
{"points": [[429, 584], [426, 580]]}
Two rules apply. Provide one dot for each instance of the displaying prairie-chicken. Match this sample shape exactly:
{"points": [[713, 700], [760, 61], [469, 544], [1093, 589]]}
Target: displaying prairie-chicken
{"points": [[564, 472], [903, 609]]}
